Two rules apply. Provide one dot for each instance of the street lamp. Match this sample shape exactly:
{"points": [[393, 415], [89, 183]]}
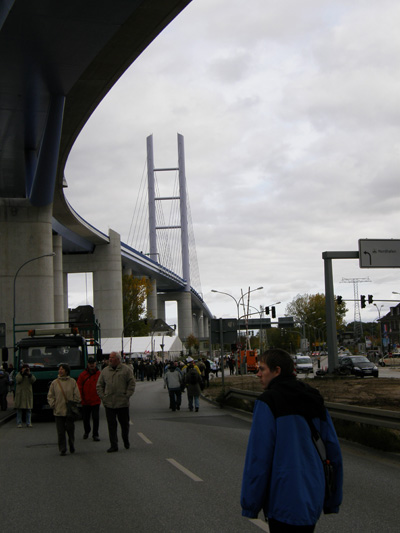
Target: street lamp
{"points": [[14, 287], [380, 324], [237, 302]]}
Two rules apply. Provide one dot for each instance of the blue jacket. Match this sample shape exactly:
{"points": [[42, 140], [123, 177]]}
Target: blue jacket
{"points": [[283, 473]]}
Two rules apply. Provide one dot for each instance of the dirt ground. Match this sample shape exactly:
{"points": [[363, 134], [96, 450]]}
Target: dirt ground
{"points": [[382, 393]]}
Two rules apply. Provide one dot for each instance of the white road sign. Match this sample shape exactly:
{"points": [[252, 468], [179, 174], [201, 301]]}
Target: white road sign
{"points": [[382, 253]]}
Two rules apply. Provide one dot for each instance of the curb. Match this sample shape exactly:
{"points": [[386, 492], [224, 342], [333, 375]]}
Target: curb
{"points": [[8, 417]]}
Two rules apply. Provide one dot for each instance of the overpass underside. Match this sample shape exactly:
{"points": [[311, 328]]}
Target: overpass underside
{"points": [[58, 60]]}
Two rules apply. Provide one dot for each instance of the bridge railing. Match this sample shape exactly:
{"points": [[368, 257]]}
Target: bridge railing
{"points": [[353, 413]]}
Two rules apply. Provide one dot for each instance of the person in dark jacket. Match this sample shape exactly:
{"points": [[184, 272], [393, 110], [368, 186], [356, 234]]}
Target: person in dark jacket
{"points": [[174, 380], [283, 473], [87, 382], [4, 388], [192, 382]]}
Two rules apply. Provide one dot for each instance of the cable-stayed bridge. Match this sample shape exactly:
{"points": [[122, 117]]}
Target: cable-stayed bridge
{"points": [[58, 61]]}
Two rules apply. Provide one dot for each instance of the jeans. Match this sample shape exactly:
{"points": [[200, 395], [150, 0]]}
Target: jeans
{"points": [[87, 412], [122, 414], [175, 398], [196, 401], [28, 415], [65, 425]]}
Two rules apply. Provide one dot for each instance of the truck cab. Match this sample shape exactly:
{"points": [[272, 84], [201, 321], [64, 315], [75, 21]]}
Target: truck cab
{"points": [[44, 353]]}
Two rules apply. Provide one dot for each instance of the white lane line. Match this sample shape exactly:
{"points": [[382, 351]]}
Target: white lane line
{"points": [[146, 440], [184, 470], [260, 523]]}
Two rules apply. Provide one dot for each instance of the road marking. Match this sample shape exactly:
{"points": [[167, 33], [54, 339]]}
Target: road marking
{"points": [[260, 523], [184, 470], [146, 440]]}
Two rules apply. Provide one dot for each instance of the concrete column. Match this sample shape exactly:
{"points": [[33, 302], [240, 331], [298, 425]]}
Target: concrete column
{"points": [[160, 308], [201, 325], [107, 286], [152, 311], [25, 234], [195, 329], [184, 315], [59, 308], [65, 288], [206, 326]]}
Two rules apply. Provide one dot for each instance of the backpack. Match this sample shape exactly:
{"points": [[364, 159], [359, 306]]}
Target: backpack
{"points": [[193, 376]]}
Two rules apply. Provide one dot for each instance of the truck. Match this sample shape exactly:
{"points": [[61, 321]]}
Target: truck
{"points": [[45, 349], [249, 357]]}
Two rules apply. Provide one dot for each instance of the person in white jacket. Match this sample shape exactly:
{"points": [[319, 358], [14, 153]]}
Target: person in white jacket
{"points": [[63, 389]]}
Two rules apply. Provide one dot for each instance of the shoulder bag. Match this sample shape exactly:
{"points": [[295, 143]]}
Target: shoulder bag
{"points": [[73, 409], [329, 472]]}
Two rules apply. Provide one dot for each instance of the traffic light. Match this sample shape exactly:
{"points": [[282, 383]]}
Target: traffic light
{"points": [[339, 300], [370, 298], [273, 312], [267, 310], [362, 301]]}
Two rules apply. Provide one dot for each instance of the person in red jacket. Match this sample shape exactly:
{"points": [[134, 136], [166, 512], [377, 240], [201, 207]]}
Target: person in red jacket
{"points": [[87, 382]]}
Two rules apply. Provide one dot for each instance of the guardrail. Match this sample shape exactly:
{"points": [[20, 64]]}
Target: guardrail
{"points": [[353, 413]]}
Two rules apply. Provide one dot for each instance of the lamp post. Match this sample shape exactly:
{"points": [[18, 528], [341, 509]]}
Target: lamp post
{"points": [[237, 302], [14, 286]]}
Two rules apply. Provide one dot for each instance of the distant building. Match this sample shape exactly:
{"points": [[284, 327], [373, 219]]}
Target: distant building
{"points": [[390, 324], [83, 318]]}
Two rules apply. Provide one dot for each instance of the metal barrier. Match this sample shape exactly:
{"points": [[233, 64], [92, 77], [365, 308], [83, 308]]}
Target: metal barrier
{"points": [[353, 413]]}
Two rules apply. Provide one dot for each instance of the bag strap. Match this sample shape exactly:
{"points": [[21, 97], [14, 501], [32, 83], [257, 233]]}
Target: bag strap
{"points": [[317, 440], [62, 390]]}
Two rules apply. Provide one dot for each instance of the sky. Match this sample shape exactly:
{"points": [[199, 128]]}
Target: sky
{"points": [[291, 119]]}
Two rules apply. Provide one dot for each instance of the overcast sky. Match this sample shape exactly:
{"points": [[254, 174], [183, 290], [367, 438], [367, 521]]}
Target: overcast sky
{"points": [[291, 119]]}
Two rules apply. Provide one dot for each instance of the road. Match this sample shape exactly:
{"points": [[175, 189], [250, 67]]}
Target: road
{"points": [[384, 371], [182, 474]]}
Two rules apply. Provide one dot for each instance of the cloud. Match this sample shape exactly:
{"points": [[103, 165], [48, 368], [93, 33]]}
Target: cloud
{"points": [[291, 125]]}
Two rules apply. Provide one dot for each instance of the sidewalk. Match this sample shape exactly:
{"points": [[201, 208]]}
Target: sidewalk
{"points": [[5, 416]]}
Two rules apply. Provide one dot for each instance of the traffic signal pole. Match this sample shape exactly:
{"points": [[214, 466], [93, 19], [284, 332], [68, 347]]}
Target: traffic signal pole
{"points": [[330, 316], [331, 332]]}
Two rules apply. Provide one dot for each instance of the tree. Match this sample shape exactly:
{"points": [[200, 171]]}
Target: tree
{"points": [[310, 309], [192, 342], [283, 338], [134, 293]]}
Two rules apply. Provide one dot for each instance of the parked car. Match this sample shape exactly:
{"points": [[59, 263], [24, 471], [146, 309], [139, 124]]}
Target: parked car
{"points": [[392, 359], [213, 366], [303, 364], [359, 365]]}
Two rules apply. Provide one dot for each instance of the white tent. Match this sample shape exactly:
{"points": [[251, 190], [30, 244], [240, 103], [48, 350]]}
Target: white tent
{"points": [[142, 346]]}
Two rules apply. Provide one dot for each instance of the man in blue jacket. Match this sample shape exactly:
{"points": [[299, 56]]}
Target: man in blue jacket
{"points": [[283, 472]]}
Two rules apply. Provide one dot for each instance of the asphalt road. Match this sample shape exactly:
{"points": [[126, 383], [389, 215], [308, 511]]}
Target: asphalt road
{"points": [[182, 474]]}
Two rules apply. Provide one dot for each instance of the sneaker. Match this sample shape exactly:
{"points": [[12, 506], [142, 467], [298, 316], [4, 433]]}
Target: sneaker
{"points": [[96, 438], [19, 426], [29, 426], [86, 435]]}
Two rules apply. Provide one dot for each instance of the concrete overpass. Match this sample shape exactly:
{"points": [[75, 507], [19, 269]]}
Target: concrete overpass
{"points": [[58, 60]]}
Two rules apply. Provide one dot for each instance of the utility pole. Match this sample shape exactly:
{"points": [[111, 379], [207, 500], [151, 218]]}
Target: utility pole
{"points": [[357, 324]]}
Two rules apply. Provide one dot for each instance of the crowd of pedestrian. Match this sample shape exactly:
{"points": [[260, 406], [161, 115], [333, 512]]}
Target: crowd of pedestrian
{"points": [[285, 473]]}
